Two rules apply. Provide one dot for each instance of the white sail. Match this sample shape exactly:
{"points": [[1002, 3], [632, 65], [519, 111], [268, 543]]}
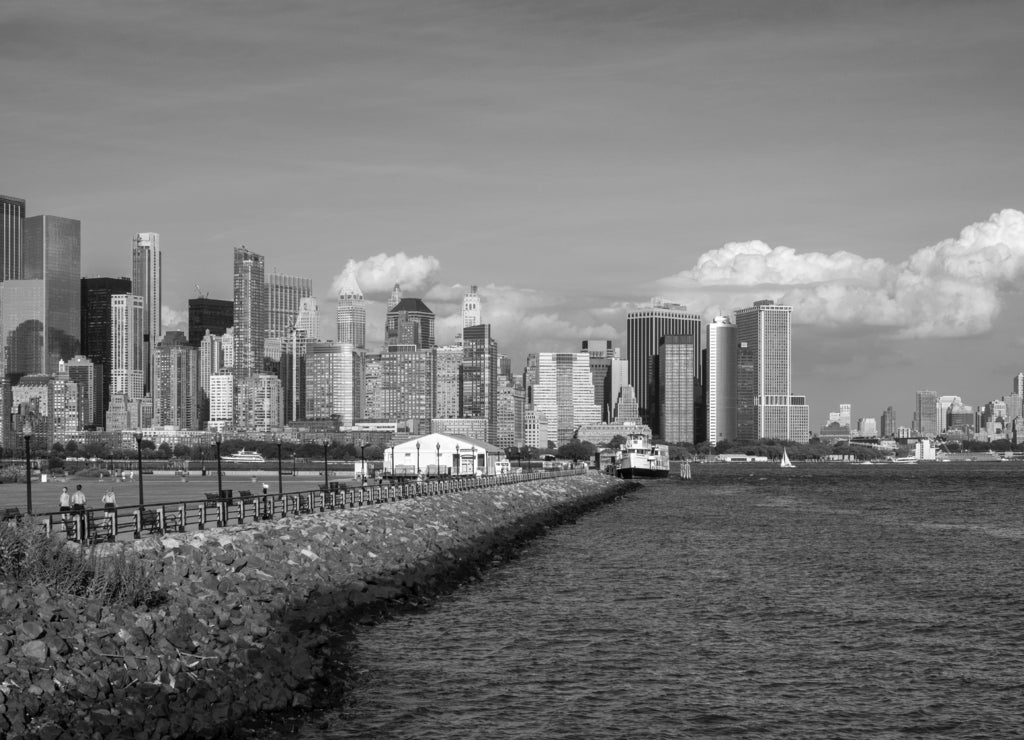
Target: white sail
{"points": [[785, 460]]}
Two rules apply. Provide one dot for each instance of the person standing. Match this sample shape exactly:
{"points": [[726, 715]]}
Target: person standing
{"points": [[78, 508], [64, 502], [109, 512]]}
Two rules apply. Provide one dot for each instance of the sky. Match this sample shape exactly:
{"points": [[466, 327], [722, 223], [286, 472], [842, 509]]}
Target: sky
{"points": [[858, 160]]}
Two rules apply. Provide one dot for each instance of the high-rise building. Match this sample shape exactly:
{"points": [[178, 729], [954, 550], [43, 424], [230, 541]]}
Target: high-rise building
{"points": [[284, 296], [351, 320], [602, 355], [926, 412], [51, 252], [447, 371], [208, 315], [888, 426], [96, 332], [82, 371], [147, 282], [258, 404], [373, 403], [65, 409], [471, 311], [222, 400], [564, 393], [720, 380], [334, 388], [395, 298], [12, 214], [211, 361], [22, 312], [644, 329], [478, 395], [1018, 384], [409, 323], [407, 385], [250, 319], [176, 389], [766, 406], [127, 327], [307, 323], [510, 432], [676, 380]]}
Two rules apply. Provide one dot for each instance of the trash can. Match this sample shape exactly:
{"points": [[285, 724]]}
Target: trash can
{"points": [[226, 494]]}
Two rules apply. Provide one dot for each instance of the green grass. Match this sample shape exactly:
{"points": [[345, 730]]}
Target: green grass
{"points": [[29, 558]]}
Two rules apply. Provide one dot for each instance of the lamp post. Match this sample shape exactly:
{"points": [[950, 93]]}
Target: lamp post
{"points": [[28, 465], [217, 439], [474, 461], [458, 462], [280, 483], [417, 459], [527, 450], [138, 449], [438, 471], [392, 461], [362, 460], [326, 443]]}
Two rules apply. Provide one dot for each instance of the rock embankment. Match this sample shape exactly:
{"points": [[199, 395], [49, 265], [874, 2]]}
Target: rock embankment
{"points": [[251, 613]]}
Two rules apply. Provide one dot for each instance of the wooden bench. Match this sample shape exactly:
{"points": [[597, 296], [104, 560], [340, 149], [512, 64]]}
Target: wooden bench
{"points": [[245, 494], [12, 513]]}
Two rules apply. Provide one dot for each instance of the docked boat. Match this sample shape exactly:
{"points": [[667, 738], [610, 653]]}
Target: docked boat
{"points": [[638, 458], [244, 456]]}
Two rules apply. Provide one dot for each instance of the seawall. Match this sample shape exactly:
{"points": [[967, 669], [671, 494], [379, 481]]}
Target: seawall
{"points": [[252, 615]]}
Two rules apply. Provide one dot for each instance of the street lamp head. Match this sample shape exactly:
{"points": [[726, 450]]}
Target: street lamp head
{"points": [[417, 445]]}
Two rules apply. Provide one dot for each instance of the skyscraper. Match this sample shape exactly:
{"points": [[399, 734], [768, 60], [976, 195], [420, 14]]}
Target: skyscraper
{"points": [[676, 380], [644, 329], [409, 323], [926, 411], [12, 213], [766, 406], [176, 390], [284, 295], [396, 296], [601, 357], [259, 405], [82, 372], [127, 326], [471, 312], [307, 322], [720, 378], [447, 371], [564, 393], [407, 385], [208, 314], [250, 319], [96, 332], [147, 282], [333, 390], [478, 396], [351, 320]]}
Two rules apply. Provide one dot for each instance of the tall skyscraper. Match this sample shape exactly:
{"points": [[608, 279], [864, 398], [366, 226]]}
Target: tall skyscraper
{"points": [[308, 321], [259, 405], [644, 329], [333, 382], [176, 389], [720, 379], [52, 253], [767, 407], [127, 326], [564, 393], [147, 282], [510, 414], [479, 381], [396, 297], [82, 372], [601, 357], [211, 361], [409, 323], [12, 213], [471, 310], [351, 313], [208, 315], [447, 372], [284, 296], [1018, 384], [926, 411], [407, 385], [250, 320], [676, 380], [96, 332], [888, 427]]}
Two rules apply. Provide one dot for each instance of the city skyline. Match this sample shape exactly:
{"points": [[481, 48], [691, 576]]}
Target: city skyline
{"points": [[572, 161]]}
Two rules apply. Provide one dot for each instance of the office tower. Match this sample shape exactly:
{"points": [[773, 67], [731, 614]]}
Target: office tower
{"points": [[447, 372], [510, 415], [644, 329], [407, 386], [147, 282], [505, 366], [888, 426], [222, 400], [351, 316], [333, 382], [766, 406], [32, 397], [471, 311], [12, 213], [250, 320], [96, 331], [846, 415], [676, 379], [65, 409], [373, 401], [627, 410], [409, 323], [926, 411], [1013, 406], [395, 298], [535, 429], [962, 418], [307, 323], [284, 296], [211, 361], [720, 380], [51, 253], [1018, 384], [127, 327], [945, 402], [564, 393], [867, 427], [601, 357], [208, 315], [82, 371], [22, 308], [479, 383], [259, 405], [176, 388]]}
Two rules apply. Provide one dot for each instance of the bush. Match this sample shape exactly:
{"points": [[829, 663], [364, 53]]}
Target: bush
{"points": [[29, 557]]}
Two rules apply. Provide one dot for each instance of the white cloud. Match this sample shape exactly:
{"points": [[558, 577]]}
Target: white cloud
{"points": [[952, 289], [174, 319], [379, 273]]}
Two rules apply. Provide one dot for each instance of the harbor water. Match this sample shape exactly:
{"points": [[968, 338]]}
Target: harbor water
{"points": [[829, 600]]}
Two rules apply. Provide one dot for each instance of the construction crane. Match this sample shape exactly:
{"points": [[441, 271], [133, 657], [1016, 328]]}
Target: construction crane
{"points": [[200, 293]]}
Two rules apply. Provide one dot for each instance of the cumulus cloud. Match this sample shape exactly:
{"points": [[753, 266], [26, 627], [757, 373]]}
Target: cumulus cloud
{"points": [[952, 289], [379, 273], [174, 319]]}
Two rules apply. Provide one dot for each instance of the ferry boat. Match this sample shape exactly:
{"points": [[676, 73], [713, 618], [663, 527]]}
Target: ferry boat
{"points": [[638, 458], [244, 456]]}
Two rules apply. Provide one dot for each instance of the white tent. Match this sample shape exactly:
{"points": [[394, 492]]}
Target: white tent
{"points": [[443, 454]]}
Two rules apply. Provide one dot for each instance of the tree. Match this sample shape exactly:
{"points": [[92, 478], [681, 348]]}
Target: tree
{"points": [[617, 441]]}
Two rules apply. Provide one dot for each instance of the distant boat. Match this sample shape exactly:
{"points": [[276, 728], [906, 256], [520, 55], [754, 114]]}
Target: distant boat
{"points": [[785, 460], [244, 456], [638, 458]]}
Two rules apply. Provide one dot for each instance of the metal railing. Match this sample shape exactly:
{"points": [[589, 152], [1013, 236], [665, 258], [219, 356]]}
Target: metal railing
{"points": [[241, 506]]}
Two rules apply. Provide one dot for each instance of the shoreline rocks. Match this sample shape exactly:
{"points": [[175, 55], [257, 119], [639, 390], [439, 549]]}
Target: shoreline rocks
{"points": [[254, 616]]}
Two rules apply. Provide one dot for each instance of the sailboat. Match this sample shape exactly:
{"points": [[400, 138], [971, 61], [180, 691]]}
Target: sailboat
{"points": [[785, 460]]}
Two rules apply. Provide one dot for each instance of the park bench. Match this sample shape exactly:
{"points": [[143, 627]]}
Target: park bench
{"points": [[245, 494], [11, 513], [150, 521]]}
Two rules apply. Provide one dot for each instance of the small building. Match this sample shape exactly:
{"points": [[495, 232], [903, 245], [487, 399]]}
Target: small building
{"points": [[438, 454]]}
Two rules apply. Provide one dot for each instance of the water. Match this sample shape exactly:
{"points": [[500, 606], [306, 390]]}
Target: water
{"points": [[826, 601]]}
